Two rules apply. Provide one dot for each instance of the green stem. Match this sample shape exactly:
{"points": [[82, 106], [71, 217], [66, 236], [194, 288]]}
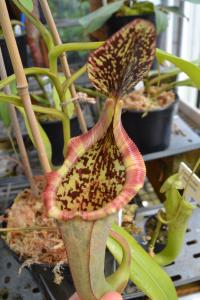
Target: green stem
{"points": [[41, 85], [58, 50], [170, 86], [66, 133], [33, 71], [65, 87], [7, 81], [164, 76], [36, 22], [15, 100], [73, 78], [48, 110], [58, 87], [155, 236], [66, 123], [41, 99]]}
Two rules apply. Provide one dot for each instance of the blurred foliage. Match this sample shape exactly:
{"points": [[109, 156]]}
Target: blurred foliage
{"points": [[67, 9]]}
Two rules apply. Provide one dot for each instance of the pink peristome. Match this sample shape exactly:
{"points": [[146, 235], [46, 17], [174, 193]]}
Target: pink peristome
{"points": [[67, 215], [131, 157], [48, 195]]}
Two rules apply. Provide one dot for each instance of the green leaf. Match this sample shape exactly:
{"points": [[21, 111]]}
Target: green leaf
{"points": [[43, 134], [4, 114], [16, 22], [96, 19], [145, 272], [70, 105], [186, 82], [28, 4], [187, 67], [140, 8], [173, 9], [161, 20], [40, 99], [55, 96], [13, 87]]}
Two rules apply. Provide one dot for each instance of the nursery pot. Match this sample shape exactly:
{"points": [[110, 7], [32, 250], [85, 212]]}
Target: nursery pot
{"points": [[54, 131], [44, 276], [152, 132], [115, 23], [21, 44]]}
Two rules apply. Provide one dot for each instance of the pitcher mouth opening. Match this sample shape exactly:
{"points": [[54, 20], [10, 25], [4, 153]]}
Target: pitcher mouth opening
{"points": [[96, 178]]}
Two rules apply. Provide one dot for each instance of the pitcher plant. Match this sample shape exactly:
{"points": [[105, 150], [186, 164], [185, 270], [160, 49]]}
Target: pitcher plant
{"points": [[103, 169]]}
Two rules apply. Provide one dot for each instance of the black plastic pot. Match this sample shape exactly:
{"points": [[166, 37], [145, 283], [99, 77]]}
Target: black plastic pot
{"points": [[117, 22], [21, 43], [149, 227], [44, 277], [54, 131], [152, 132]]}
